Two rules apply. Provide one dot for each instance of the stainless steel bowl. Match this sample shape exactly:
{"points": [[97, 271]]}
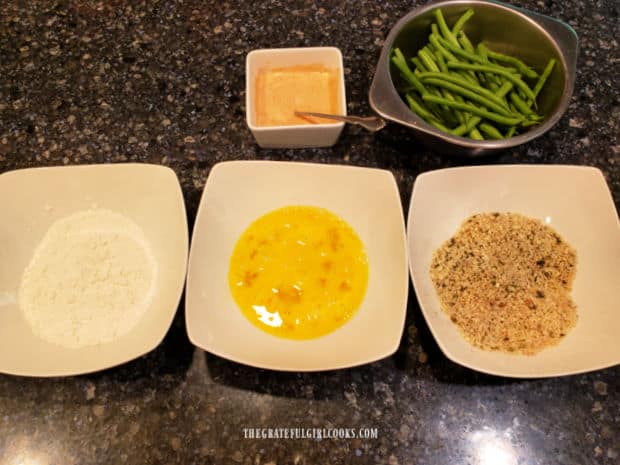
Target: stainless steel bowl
{"points": [[532, 37]]}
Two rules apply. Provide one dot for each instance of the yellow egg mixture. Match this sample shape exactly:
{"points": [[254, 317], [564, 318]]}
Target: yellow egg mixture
{"points": [[298, 272]]}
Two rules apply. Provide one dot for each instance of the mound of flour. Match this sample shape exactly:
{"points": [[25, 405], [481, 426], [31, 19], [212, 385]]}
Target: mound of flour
{"points": [[90, 279]]}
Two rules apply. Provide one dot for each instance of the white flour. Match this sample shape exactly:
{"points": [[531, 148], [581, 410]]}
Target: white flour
{"points": [[90, 280]]}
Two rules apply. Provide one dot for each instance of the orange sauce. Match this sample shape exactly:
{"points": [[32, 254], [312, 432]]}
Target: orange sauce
{"points": [[282, 91]]}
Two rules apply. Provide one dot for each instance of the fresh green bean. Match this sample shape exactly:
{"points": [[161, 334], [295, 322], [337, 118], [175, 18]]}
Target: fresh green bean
{"points": [[521, 106], [490, 68], [433, 38], [504, 89], [435, 43], [455, 115], [521, 67], [443, 27], [468, 76], [418, 64], [482, 100], [399, 60], [543, 77], [437, 58], [473, 122], [493, 86], [459, 51], [463, 83], [518, 104], [511, 132], [465, 42], [490, 131], [475, 134], [513, 108], [441, 63], [450, 51], [427, 59], [418, 107], [501, 119], [461, 117], [463, 129], [438, 125], [472, 56], [461, 21], [491, 77]]}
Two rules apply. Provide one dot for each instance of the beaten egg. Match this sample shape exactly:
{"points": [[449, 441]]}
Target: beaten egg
{"points": [[298, 272]]}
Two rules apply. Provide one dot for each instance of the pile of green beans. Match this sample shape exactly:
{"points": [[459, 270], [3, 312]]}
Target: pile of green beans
{"points": [[470, 91]]}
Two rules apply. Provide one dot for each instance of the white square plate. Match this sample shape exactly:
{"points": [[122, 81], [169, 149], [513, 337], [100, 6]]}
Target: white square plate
{"points": [[576, 202], [236, 194], [32, 199]]}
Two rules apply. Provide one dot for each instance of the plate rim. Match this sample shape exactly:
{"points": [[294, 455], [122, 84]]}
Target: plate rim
{"points": [[593, 171]]}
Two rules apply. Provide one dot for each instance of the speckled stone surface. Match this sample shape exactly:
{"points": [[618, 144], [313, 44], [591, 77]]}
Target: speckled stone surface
{"points": [[163, 82]]}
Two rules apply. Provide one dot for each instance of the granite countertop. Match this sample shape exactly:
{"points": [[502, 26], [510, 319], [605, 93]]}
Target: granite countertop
{"points": [[162, 81]]}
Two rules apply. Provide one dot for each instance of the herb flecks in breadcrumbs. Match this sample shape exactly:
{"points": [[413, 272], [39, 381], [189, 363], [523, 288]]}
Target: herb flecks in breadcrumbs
{"points": [[505, 281]]}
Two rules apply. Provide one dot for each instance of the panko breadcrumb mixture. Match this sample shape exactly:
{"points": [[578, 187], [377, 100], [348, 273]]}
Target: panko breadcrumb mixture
{"points": [[505, 280]]}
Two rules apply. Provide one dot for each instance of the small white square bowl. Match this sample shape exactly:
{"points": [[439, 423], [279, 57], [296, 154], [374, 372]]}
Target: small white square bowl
{"points": [[576, 202], [294, 136], [236, 193], [32, 199]]}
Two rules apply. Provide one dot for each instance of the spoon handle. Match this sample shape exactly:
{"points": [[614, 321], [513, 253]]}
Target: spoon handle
{"points": [[371, 123]]}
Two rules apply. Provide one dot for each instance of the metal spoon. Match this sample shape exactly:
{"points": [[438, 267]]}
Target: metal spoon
{"points": [[370, 123]]}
